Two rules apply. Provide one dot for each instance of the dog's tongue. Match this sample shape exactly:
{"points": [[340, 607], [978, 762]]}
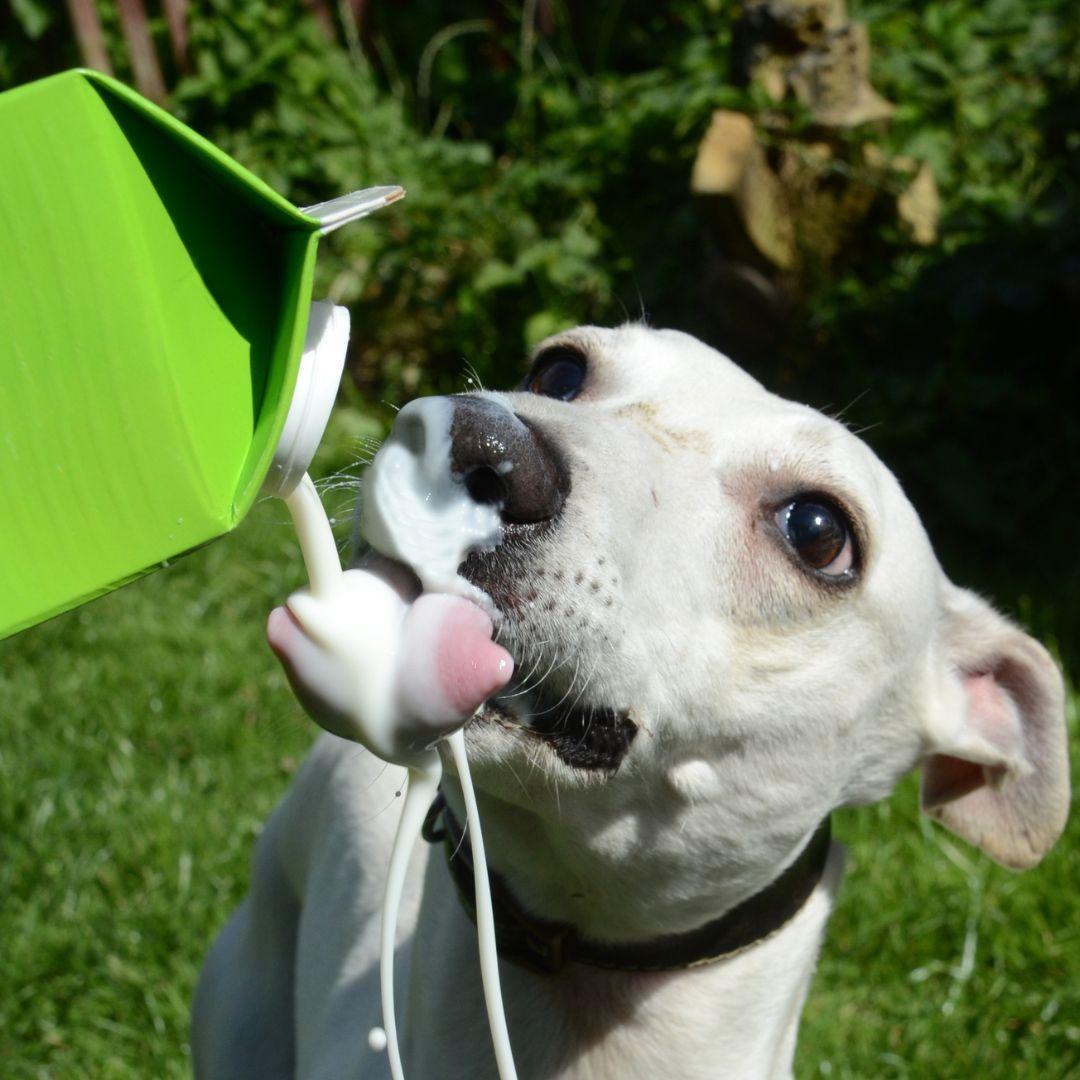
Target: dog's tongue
{"points": [[449, 664], [372, 663], [398, 658]]}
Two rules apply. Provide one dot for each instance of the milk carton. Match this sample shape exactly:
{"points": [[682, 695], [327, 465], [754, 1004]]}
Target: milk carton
{"points": [[161, 361]]}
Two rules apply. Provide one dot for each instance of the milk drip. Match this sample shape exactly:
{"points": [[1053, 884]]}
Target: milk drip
{"points": [[399, 669]]}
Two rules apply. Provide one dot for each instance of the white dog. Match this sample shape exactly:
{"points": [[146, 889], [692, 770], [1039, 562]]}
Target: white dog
{"points": [[727, 621]]}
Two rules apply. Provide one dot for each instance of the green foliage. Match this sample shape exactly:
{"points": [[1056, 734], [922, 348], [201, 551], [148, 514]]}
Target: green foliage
{"points": [[973, 82], [508, 230]]}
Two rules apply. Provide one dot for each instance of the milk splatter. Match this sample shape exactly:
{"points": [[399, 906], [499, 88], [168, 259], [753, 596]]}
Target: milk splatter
{"points": [[414, 510]]}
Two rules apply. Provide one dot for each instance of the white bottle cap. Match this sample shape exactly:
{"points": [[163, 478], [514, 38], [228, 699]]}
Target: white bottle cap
{"points": [[313, 396]]}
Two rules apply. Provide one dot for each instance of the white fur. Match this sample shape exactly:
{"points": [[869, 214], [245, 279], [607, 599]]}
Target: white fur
{"points": [[763, 700]]}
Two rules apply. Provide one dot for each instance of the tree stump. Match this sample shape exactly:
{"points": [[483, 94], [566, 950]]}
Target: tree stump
{"points": [[781, 204]]}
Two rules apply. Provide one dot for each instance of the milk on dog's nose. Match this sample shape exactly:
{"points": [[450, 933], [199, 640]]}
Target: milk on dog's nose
{"points": [[372, 660], [415, 510]]}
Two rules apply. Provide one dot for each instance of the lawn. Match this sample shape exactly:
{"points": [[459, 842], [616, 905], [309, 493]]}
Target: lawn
{"points": [[147, 736]]}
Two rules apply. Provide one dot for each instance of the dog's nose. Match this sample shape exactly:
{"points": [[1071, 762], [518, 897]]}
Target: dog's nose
{"points": [[505, 462]]}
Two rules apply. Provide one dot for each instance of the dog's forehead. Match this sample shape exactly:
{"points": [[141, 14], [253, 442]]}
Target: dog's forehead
{"points": [[696, 386], [639, 362]]}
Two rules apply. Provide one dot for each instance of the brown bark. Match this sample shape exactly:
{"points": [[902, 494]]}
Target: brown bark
{"points": [[144, 59], [780, 203], [176, 12], [733, 175]]}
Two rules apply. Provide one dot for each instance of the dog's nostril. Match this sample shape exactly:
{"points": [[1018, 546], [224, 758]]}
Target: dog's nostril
{"points": [[486, 486], [504, 461]]}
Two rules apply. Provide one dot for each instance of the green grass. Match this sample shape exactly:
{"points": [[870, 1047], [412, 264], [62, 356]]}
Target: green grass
{"points": [[893, 996], [146, 737]]}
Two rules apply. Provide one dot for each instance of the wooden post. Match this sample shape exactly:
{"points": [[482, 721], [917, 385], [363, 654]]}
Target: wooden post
{"points": [[87, 27], [144, 59], [780, 203], [176, 18]]}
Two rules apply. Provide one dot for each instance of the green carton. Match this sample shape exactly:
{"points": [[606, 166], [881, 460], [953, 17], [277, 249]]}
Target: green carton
{"points": [[154, 303]]}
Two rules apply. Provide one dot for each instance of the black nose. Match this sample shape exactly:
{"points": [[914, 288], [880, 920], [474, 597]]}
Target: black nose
{"points": [[506, 462]]}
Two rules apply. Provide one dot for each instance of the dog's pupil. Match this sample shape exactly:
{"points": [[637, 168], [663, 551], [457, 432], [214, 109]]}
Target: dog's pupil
{"points": [[815, 532], [558, 375]]}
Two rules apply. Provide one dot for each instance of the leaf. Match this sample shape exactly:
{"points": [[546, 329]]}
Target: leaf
{"points": [[34, 17], [543, 324]]}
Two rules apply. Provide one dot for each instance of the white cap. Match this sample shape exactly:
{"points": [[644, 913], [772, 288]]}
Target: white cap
{"points": [[313, 396]]}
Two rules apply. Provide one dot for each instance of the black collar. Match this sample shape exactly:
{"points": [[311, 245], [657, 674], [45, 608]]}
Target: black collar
{"points": [[547, 947]]}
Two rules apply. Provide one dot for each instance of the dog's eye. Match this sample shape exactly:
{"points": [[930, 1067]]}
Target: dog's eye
{"points": [[819, 534], [557, 373]]}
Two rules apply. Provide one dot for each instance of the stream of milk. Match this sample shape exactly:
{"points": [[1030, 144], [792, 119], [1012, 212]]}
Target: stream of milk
{"points": [[415, 511]]}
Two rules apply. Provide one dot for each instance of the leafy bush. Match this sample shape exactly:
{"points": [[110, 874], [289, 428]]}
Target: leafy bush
{"points": [[547, 163]]}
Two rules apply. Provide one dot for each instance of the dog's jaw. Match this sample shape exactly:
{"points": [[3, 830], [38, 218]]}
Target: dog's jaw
{"points": [[550, 705]]}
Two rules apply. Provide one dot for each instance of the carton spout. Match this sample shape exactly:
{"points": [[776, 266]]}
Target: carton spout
{"points": [[357, 204], [323, 357], [321, 364]]}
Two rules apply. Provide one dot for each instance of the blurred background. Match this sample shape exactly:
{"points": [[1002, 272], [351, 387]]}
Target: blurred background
{"points": [[873, 206]]}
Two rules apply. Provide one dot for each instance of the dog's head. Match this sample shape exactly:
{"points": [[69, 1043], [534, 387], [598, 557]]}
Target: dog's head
{"points": [[727, 621]]}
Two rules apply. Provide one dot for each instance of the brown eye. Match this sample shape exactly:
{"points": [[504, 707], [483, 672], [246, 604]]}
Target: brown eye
{"points": [[819, 534], [557, 373]]}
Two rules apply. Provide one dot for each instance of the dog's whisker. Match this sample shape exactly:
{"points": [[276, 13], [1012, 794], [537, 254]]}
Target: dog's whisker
{"points": [[868, 427], [851, 404], [472, 377], [556, 706], [551, 667], [520, 782], [585, 685], [524, 684]]}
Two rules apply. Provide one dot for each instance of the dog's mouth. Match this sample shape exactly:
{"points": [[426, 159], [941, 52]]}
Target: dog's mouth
{"points": [[584, 735], [499, 572], [587, 737]]}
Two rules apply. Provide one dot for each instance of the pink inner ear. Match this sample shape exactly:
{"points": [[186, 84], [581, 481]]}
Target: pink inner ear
{"points": [[992, 714], [993, 718]]}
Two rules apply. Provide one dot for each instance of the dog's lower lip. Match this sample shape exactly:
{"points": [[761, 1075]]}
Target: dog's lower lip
{"points": [[583, 736]]}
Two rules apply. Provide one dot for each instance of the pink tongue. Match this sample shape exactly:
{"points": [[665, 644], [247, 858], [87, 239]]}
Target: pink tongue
{"points": [[450, 665]]}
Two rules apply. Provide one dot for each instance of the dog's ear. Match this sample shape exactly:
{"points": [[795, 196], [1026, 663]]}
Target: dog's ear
{"points": [[997, 771]]}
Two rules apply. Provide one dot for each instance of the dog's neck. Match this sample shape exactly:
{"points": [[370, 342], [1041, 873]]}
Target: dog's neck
{"points": [[547, 947], [737, 1017]]}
